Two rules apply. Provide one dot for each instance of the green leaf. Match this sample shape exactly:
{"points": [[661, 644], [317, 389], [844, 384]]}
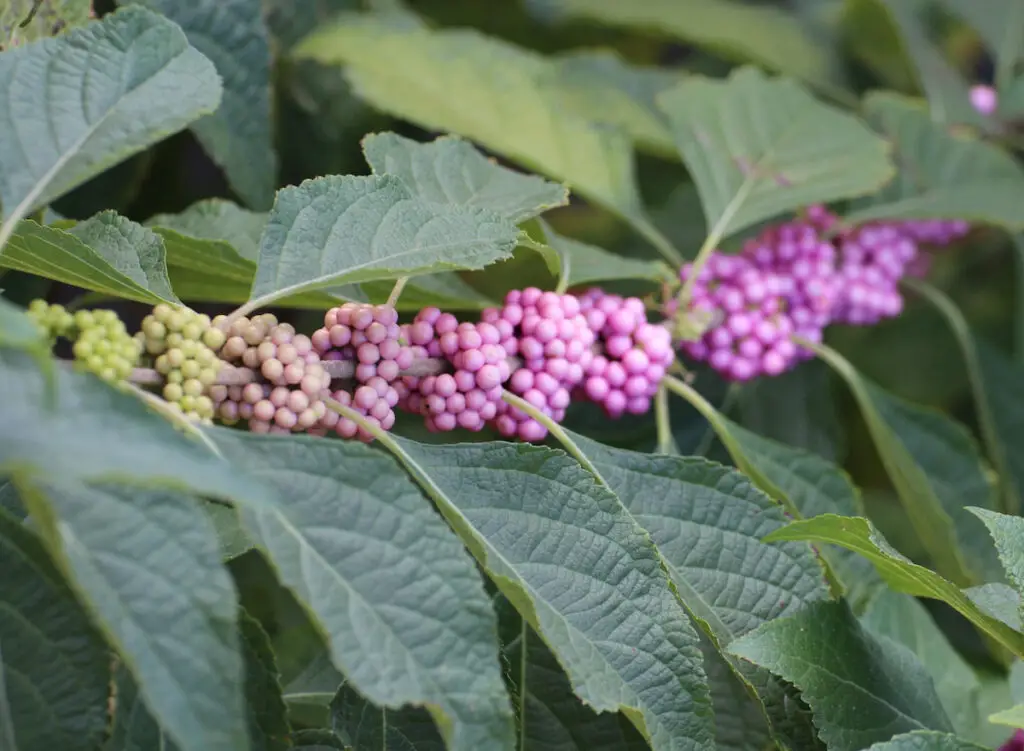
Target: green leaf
{"points": [[392, 589], [934, 466], [861, 689], [926, 740], [1000, 601], [1000, 26], [739, 721], [363, 726], [487, 90], [1014, 717], [95, 432], [906, 621], [118, 546], [545, 531], [233, 35], [134, 728], [55, 667], [1008, 534], [18, 331], [899, 573], [446, 290], [318, 740], [600, 86], [343, 229], [586, 264], [107, 254], [766, 35], [75, 105], [758, 147], [48, 18], [450, 170], [940, 174]]}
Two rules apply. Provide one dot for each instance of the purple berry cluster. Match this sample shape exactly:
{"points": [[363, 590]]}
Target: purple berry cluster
{"points": [[632, 356]]}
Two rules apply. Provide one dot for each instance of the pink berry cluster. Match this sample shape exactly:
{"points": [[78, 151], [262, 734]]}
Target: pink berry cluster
{"points": [[796, 278]]}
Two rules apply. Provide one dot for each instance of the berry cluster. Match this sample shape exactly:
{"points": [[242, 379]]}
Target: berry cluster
{"points": [[796, 278], [101, 343]]}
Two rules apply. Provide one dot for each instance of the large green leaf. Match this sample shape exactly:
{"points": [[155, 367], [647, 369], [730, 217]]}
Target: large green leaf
{"points": [[900, 573], [56, 668], [392, 589], [545, 532], [1008, 534], [758, 147], [764, 34], [45, 18], [363, 726], [344, 229], [926, 740], [107, 254], [905, 620], [583, 263], [75, 105], [488, 90], [233, 35], [450, 170], [999, 601], [739, 720], [861, 689], [147, 564], [940, 174], [934, 465], [95, 432]]}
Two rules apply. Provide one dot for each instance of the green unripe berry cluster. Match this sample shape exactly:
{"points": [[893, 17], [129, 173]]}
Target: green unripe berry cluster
{"points": [[103, 345], [184, 344], [54, 320]]}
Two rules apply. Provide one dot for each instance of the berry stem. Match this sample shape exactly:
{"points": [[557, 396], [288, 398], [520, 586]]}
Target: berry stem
{"points": [[666, 442], [396, 291], [557, 431]]}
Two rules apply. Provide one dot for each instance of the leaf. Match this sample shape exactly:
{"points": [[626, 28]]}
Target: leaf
{"points": [[343, 229], [767, 35], [1008, 534], [107, 254], [758, 147], [18, 331], [46, 18], [925, 740], [233, 35], [78, 104], [213, 235], [860, 688], [117, 546], [364, 726], [934, 466], [999, 601], [739, 721], [55, 667], [98, 433], [318, 740], [906, 621], [940, 174], [488, 90], [587, 263], [393, 591], [545, 531], [134, 728], [899, 573], [1014, 716], [1001, 27], [451, 171]]}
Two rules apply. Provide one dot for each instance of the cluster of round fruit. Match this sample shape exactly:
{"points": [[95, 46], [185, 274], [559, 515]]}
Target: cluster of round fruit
{"points": [[794, 279]]}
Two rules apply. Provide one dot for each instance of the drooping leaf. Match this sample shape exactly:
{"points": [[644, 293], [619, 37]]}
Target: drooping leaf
{"points": [[925, 740], [587, 263], [934, 465], [361, 725], [399, 601], [148, 567], [1013, 717], [134, 728], [758, 147], [45, 19], [904, 620], [107, 254], [233, 35], [450, 170], [1000, 601], [344, 229], [901, 574], [739, 721], [75, 105], [764, 34], [95, 432], [56, 668], [940, 174], [545, 531], [1008, 533], [862, 689], [488, 90]]}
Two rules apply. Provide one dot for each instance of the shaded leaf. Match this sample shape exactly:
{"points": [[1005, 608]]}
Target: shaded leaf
{"points": [[587, 263], [47, 18], [233, 35], [904, 620], [901, 574], [18, 331], [739, 721], [364, 726], [861, 689], [107, 254], [394, 592], [758, 147], [450, 170], [1008, 534], [940, 174], [545, 531], [78, 104], [446, 290], [343, 229], [1000, 601], [925, 740], [55, 667], [1014, 717]]}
